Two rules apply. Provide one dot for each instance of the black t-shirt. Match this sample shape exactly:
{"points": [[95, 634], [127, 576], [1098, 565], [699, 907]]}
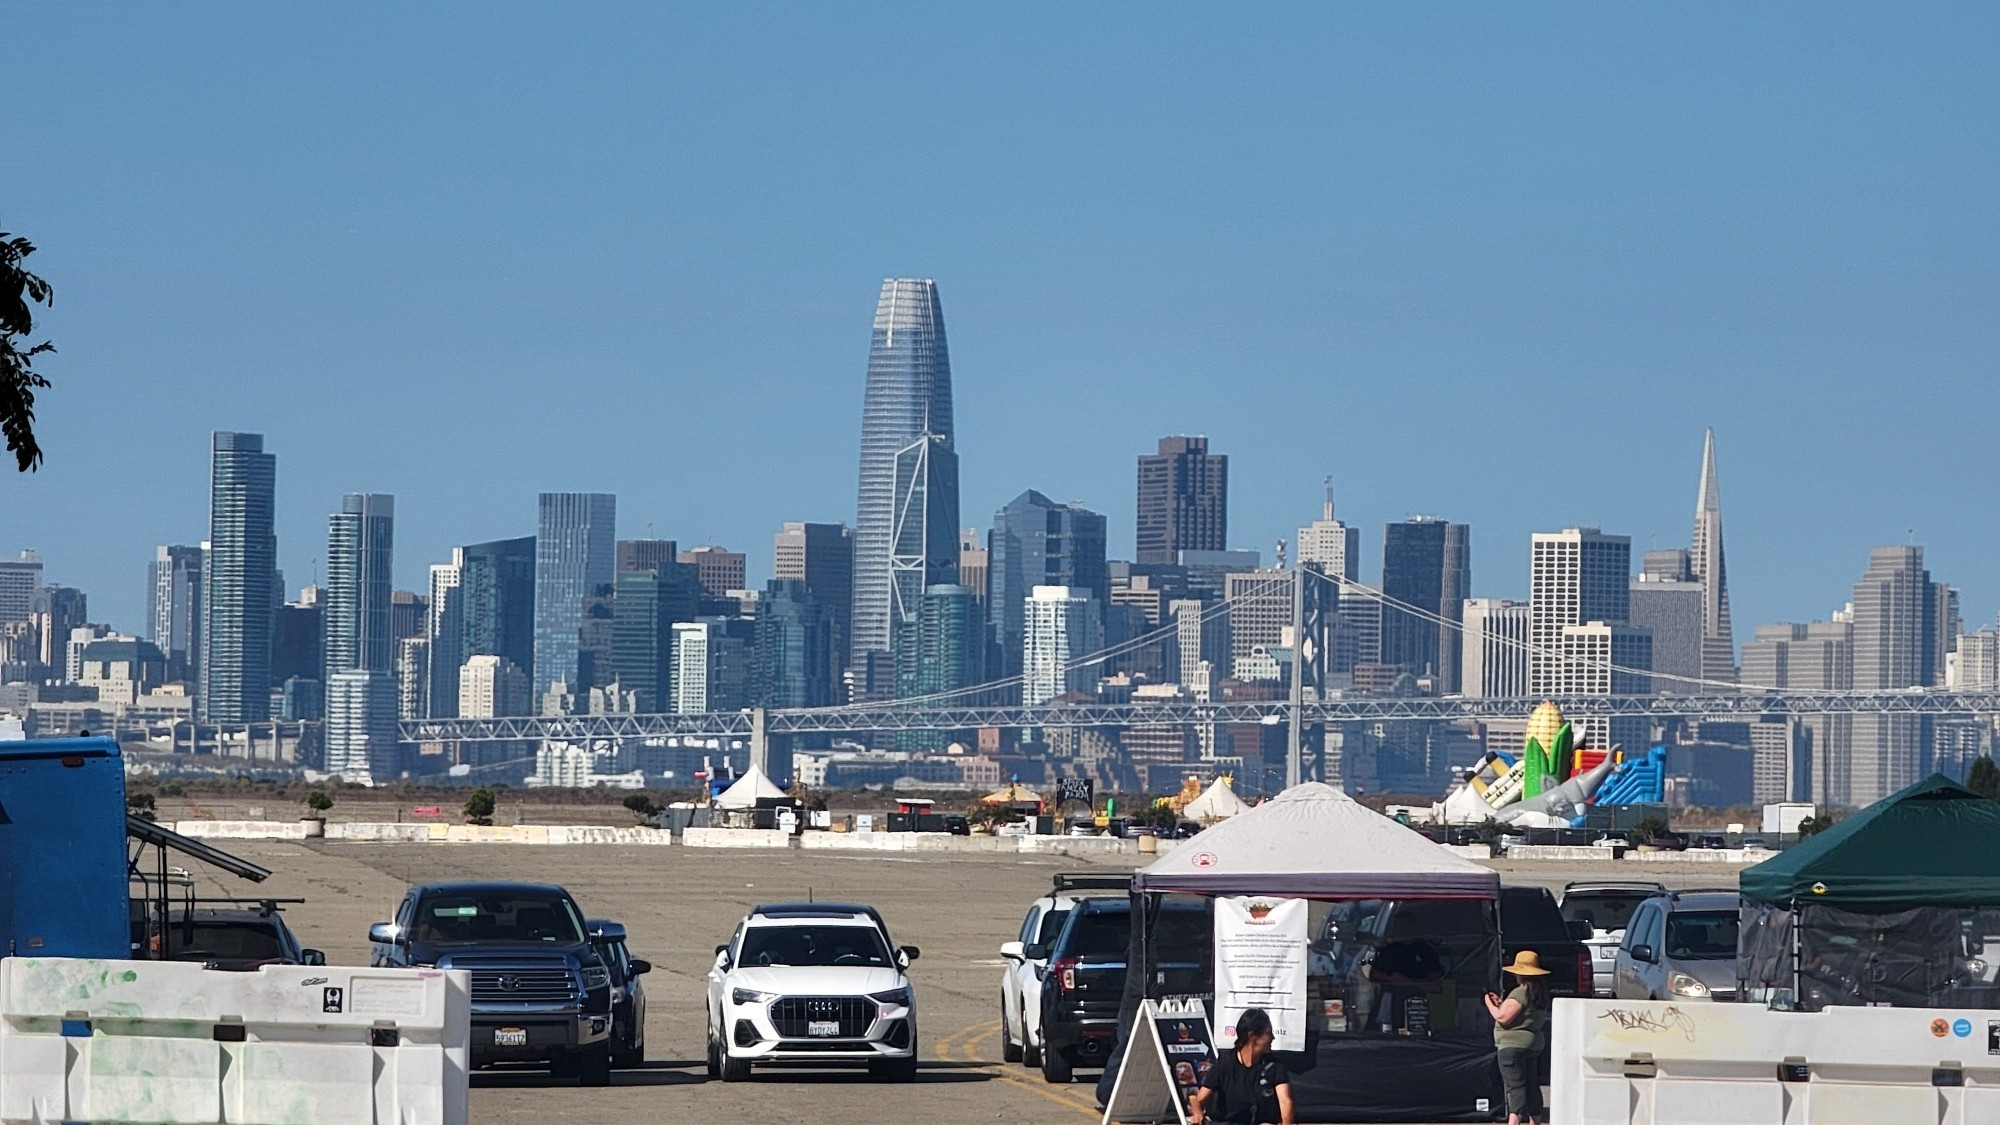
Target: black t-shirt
{"points": [[1244, 1095]]}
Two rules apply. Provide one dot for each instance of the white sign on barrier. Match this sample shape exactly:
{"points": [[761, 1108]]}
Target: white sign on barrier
{"points": [[1632, 1062], [170, 1043]]}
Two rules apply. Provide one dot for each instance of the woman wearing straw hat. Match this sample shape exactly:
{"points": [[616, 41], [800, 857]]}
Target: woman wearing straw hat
{"points": [[1520, 1030]]}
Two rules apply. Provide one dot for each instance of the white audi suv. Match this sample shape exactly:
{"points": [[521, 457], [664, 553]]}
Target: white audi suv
{"points": [[812, 984]]}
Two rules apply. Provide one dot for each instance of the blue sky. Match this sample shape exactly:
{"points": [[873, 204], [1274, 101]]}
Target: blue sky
{"points": [[1497, 263]]}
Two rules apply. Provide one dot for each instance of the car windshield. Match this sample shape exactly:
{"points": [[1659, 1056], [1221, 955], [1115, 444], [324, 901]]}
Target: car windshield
{"points": [[224, 941], [1701, 935], [454, 919], [1604, 910], [814, 945]]}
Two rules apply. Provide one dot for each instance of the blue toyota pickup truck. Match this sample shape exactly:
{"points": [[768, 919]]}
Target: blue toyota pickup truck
{"points": [[540, 991]]}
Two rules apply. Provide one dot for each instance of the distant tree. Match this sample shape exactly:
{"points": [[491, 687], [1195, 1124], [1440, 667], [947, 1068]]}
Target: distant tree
{"points": [[1984, 778], [1814, 825], [479, 807], [318, 801], [20, 291], [642, 805], [1647, 830], [142, 805]]}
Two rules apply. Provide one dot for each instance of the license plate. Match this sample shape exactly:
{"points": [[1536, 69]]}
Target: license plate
{"points": [[823, 1028], [510, 1037]]}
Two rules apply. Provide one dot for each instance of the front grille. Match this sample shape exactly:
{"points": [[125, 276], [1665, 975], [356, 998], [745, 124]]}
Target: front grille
{"points": [[829, 1045], [793, 1016], [522, 986]]}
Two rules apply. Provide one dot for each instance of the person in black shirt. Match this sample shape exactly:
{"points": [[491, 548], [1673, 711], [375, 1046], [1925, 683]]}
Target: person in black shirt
{"points": [[1246, 1086]]}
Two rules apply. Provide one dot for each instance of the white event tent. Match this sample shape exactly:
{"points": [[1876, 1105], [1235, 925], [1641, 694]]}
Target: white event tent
{"points": [[752, 787]]}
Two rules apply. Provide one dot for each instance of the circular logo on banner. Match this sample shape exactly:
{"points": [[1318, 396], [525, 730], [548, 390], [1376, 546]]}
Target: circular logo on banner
{"points": [[1938, 1028], [1204, 859], [1961, 1028]]}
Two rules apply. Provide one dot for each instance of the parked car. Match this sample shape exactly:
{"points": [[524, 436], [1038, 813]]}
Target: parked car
{"points": [[1083, 984], [1605, 906], [1669, 842], [236, 936], [1680, 946], [1711, 842], [1755, 844], [1021, 978], [628, 995], [812, 983], [540, 991], [1530, 919]]}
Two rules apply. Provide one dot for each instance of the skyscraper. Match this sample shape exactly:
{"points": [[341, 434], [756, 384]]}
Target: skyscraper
{"points": [[19, 579], [1062, 627], [239, 581], [1426, 564], [1672, 609], [492, 687], [496, 589], [645, 554], [1718, 643], [906, 522], [361, 726], [1576, 576], [713, 665], [649, 602], [1260, 617], [796, 650], [1183, 500], [1330, 544], [444, 629], [1902, 624], [360, 541], [1038, 542], [821, 555], [721, 569], [1494, 664], [1813, 764], [575, 560], [173, 609]]}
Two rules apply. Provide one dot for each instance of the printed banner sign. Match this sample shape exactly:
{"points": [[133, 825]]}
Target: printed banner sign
{"points": [[1076, 789], [1167, 1058], [1260, 962]]}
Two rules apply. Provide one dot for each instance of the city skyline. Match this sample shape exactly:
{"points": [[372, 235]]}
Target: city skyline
{"points": [[1424, 265]]}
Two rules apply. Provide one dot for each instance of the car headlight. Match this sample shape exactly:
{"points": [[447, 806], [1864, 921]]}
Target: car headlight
{"points": [[750, 996], [895, 997], [1684, 985], [595, 978]]}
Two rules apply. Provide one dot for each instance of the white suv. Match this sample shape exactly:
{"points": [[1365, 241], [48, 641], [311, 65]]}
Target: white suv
{"points": [[812, 984], [1027, 957]]}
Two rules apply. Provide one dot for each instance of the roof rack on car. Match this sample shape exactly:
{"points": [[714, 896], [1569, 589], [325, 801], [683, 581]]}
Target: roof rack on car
{"points": [[1637, 884], [1073, 880], [1706, 891]]}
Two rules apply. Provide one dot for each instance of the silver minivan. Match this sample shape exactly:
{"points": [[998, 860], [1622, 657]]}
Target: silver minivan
{"points": [[1679, 946]]}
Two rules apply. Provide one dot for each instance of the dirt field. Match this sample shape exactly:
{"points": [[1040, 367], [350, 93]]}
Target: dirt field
{"points": [[678, 903]]}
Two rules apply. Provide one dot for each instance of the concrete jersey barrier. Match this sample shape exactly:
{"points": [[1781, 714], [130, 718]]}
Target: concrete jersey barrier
{"points": [[170, 1043], [1631, 1062], [424, 832]]}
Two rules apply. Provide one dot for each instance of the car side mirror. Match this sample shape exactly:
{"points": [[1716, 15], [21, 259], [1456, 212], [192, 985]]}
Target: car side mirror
{"points": [[1036, 952], [910, 953], [1011, 950], [311, 957], [1643, 953], [1582, 930], [386, 933], [641, 967]]}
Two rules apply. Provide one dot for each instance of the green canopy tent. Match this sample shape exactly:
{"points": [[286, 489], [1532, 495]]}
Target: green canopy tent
{"points": [[1899, 904]]}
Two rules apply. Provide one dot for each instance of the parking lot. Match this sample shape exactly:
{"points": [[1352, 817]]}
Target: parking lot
{"points": [[678, 903]]}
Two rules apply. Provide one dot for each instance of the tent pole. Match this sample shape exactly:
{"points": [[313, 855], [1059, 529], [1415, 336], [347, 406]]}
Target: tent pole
{"points": [[1798, 975]]}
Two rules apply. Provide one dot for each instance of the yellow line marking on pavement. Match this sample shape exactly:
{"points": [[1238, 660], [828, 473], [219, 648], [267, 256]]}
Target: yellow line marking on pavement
{"points": [[962, 1043]]}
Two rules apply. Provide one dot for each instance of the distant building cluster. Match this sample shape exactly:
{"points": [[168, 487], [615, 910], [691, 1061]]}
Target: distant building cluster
{"points": [[907, 603]]}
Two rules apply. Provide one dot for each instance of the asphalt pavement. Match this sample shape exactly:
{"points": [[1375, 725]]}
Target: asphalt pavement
{"points": [[679, 903]]}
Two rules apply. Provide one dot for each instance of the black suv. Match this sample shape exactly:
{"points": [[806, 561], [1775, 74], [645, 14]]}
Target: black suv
{"points": [[628, 996], [237, 937], [1083, 983], [540, 990]]}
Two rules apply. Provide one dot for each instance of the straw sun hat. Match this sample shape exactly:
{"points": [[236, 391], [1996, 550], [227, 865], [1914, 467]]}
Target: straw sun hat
{"points": [[1527, 963]]}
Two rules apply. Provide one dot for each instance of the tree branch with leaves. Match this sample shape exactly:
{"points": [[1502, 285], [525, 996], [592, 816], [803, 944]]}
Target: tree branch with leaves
{"points": [[20, 292]]}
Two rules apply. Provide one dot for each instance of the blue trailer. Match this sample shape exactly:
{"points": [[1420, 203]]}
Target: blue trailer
{"points": [[64, 889]]}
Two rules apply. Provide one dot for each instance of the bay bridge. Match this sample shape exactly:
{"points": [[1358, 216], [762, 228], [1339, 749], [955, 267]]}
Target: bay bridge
{"points": [[1314, 699]]}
